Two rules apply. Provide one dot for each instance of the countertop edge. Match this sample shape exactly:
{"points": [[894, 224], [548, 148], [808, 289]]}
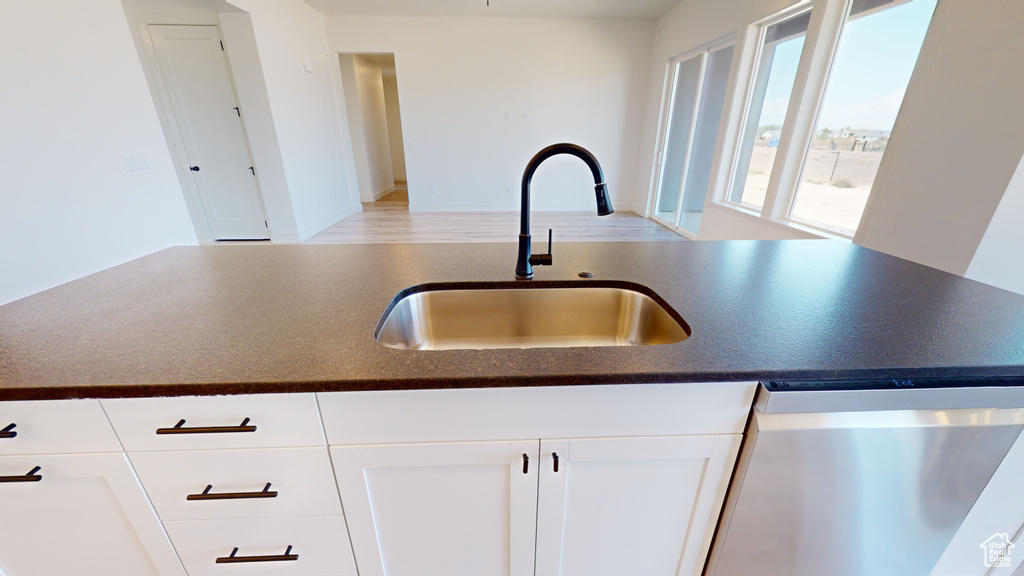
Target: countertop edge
{"points": [[242, 388]]}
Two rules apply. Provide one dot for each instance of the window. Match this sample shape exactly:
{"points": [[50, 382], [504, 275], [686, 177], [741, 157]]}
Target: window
{"points": [[808, 131], [778, 57], [876, 56], [696, 100]]}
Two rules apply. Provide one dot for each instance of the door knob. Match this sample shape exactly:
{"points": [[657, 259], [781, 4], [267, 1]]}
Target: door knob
{"points": [[194, 168]]}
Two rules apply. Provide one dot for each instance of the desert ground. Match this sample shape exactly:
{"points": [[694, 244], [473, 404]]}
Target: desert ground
{"points": [[833, 188]]}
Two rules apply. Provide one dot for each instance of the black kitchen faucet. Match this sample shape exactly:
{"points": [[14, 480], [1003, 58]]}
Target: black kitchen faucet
{"points": [[524, 266]]}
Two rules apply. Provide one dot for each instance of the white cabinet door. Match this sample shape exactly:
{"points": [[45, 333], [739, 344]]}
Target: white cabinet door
{"points": [[465, 509], [86, 515], [630, 505]]}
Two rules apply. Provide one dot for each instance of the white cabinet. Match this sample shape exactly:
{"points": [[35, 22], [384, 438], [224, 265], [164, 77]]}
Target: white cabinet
{"points": [[452, 482], [265, 546], [432, 488], [250, 473], [614, 506], [216, 422], [55, 427], [630, 505], [453, 509], [78, 513], [209, 484]]}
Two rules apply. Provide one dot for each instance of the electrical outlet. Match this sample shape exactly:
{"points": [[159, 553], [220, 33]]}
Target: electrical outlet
{"points": [[433, 189], [508, 189]]}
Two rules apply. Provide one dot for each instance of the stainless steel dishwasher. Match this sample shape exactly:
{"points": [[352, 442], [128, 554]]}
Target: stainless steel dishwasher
{"points": [[861, 478]]}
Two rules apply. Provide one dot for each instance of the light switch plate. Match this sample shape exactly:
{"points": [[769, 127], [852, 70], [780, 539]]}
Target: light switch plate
{"points": [[135, 162]]}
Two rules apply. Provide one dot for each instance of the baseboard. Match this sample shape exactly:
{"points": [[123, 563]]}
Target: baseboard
{"points": [[285, 238], [382, 193], [326, 223]]}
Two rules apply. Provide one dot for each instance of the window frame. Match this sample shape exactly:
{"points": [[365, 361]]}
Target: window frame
{"points": [[754, 38], [824, 33]]}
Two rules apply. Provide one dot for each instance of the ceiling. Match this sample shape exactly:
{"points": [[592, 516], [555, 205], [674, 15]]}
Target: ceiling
{"points": [[643, 9]]}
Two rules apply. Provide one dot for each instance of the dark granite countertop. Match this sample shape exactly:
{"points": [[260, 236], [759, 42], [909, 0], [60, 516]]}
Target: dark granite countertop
{"points": [[231, 319]]}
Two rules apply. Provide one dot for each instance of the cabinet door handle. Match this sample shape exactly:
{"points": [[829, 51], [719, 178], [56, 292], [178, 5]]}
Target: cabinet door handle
{"points": [[179, 428], [8, 432], [30, 477], [232, 559], [554, 456], [206, 495], [526, 464]]}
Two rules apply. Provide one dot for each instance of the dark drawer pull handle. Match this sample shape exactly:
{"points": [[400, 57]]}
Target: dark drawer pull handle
{"points": [[554, 456], [526, 464], [206, 495], [30, 477], [8, 432], [232, 559], [180, 429]]}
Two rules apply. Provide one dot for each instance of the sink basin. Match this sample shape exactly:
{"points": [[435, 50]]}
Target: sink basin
{"points": [[535, 315]]}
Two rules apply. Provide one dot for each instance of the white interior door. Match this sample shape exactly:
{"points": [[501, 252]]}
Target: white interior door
{"points": [[619, 506], [195, 73], [466, 509]]}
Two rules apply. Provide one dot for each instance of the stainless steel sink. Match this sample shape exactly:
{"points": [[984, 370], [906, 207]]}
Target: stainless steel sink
{"points": [[480, 316]]}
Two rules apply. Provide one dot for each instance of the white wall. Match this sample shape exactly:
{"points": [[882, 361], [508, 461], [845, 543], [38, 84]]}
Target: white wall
{"points": [[73, 100], [581, 81], [391, 101], [370, 85], [354, 115], [999, 260], [310, 128], [957, 141]]}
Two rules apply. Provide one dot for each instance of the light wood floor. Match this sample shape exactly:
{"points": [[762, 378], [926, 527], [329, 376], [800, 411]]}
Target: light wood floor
{"points": [[389, 221], [395, 201]]}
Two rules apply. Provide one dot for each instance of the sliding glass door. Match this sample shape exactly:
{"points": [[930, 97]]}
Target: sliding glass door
{"points": [[696, 98]]}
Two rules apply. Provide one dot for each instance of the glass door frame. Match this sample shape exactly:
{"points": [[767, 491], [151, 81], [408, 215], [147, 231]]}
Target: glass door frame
{"points": [[664, 124]]}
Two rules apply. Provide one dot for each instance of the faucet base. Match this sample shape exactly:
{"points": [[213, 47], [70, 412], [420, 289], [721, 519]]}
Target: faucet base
{"points": [[524, 269]]}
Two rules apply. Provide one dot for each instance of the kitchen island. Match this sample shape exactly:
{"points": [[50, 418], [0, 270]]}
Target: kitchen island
{"points": [[240, 319], [229, 404]]}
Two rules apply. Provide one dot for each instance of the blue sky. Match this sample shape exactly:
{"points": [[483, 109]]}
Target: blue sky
{"points": [[873, 65]]}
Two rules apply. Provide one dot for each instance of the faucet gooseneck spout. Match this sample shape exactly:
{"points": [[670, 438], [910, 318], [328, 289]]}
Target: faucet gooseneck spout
{"points": [[526, 261]]}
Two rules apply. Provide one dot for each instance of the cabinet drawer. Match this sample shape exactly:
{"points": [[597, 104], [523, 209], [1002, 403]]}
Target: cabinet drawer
{"points": [[212, 422], [301, 481], [479, 414], [55, 427], [320, 542]]}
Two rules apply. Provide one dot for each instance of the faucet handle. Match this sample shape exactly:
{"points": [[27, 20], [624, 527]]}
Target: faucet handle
{"points": [[542, 259]]}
